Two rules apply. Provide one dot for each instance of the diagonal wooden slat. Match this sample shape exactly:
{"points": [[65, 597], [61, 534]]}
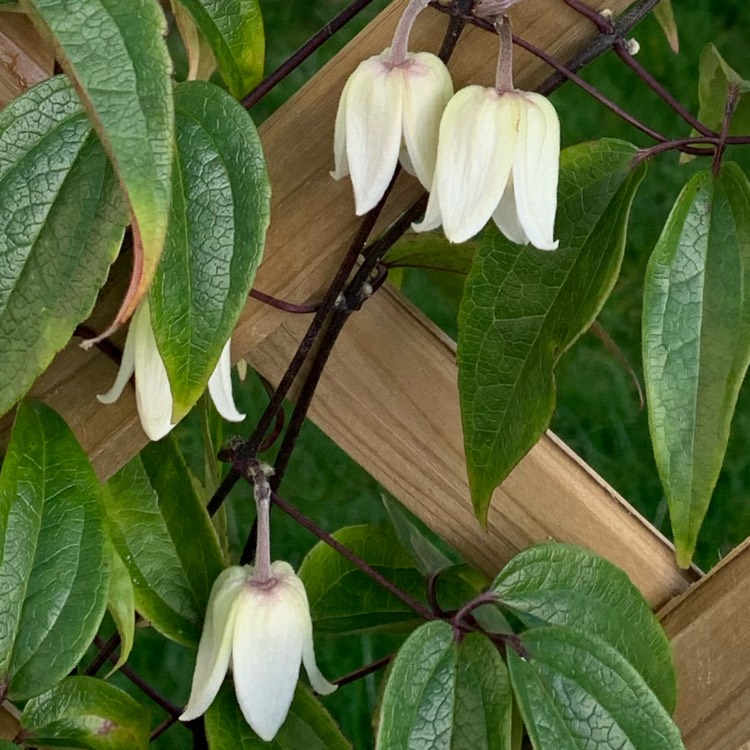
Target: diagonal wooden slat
{"points": [[389, 399], [711, 641]]}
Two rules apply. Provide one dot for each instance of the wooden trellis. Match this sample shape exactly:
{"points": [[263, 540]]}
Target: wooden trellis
{"points": [[389, 396]]}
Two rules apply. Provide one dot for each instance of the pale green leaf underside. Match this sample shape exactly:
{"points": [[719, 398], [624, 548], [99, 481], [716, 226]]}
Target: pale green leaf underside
{"points": [[116, 56], [559, 584], [308, 726], [522, 308], [54, 572], [234, 31], [576, 692], [62, 219], [696, 341], [217, 227], [87, 712]]}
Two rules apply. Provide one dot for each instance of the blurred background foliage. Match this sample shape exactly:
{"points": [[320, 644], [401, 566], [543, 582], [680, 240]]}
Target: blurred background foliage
{"points": [[598, 412]]}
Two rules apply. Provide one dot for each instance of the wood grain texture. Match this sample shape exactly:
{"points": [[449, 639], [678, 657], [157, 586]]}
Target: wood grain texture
{"points": [[389, 399], [24, 58], [708, 626]]}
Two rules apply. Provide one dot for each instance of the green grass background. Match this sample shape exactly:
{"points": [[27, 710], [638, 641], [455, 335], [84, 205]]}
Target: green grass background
{"points": [[598, 413]]}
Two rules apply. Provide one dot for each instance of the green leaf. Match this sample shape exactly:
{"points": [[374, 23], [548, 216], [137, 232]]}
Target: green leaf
{"points": [[447, 694], [308, 726], [427, 557], [61, 223], [559, 584], [87, 713], [696, 341], [116, 57], [217, 227], [344, 599], [714, 81], [201, 60], [164, 535], [664, 14], [576, 692], [715, 77], [234, 31], [433, 251], [54, 573], [121, 606], [522, 308], [7, 744]]}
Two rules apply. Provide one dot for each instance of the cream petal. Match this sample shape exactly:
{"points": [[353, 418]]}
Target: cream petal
{"points": [[432, 218], [127, 367], [341, 164], [215, 647], [152, 392], [373, 130], [506, 216], [475, 153], [266, 654], [427, 89], [535, 171], [220, 387]]}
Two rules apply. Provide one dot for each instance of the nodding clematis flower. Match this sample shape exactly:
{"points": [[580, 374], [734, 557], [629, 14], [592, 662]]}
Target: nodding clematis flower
{"points": [[390, 111], [498, 157], [152, 392], [262, 627]]}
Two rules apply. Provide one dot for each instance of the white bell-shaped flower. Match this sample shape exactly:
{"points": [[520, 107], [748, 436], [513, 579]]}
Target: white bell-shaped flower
{"points": [[498, 157], [387, 111], [152, 392], [264, 630]]}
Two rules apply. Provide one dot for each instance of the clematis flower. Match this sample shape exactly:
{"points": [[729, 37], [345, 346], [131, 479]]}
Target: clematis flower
{"points": [[152, 392], [263, 629], [498, 157], [390, 111]]}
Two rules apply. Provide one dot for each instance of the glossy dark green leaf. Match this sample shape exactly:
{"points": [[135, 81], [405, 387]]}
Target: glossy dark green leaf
{"points": [[116, 56], [433, 251], [62, 219], [87, 713], [234, 31], [163, 534], [696, 341], [446, 694], [559, 584], [121, 606], [308, 726], [54, 568], [217, 228], [576, 692], [426, 556], [522, 308]]}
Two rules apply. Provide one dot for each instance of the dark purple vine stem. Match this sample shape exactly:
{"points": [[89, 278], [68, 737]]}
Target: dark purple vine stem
{"points": [[354, 559]]}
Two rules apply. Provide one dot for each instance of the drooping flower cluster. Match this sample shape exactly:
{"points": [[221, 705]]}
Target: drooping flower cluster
{"points": [[153, 394], [484, 153]]}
